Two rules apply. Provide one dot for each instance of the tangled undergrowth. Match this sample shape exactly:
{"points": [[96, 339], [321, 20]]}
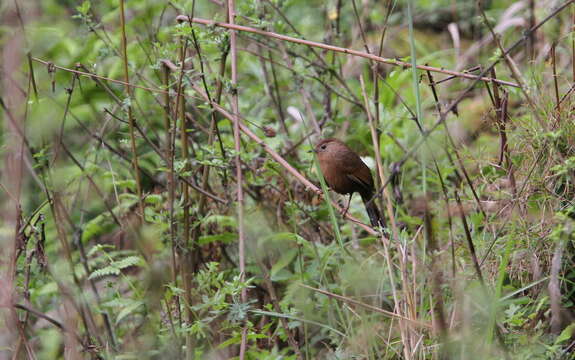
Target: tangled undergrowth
{"points": [[160, 200]]}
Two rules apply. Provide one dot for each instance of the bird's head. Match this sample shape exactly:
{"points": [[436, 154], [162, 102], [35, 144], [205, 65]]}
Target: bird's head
{"points": [[327, 146]]}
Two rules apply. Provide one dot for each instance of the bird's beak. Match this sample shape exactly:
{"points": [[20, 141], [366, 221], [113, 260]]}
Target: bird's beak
{"points": [[312, 151]]}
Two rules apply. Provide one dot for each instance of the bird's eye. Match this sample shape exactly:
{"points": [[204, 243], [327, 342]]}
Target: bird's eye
{"points": [[323, 147]]}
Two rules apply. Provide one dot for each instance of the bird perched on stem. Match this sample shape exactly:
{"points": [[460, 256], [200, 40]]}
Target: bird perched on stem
{"points": [[345, 173]]}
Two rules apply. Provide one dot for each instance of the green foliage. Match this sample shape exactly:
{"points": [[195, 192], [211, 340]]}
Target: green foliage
{"points": [[114, 262], [159, 276]]}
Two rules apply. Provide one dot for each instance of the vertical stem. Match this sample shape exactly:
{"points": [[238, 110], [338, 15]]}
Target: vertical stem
{"points": [[130, 115], [573, 44], [179, 110], [389, 207], [168, 147], [188, 263], [469, 239], [169, 155], [379, 160], [191, 235], [277, 96], [531, 42], [239, 181], [419, 114], [557, 102], [12, 102], [416, 90], [185, 188]]}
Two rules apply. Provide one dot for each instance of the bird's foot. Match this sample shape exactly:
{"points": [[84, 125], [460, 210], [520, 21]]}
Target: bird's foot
{"points": [[344, 212]]}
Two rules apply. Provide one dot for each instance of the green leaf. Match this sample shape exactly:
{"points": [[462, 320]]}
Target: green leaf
{"points": [[98, 247], [221, 220], [226, 238], [283, 261], [84, 8], [127, 184], [108, 270], [115, 267], [286, 236], [101, 224], [282, 275], [565, 334], [280, 315], [128, 310], [127, 262], [48, 289], [236, 339], [119, 302], [154, 199]]}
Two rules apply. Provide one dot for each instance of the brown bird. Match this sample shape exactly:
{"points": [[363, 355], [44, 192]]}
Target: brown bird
{"points": [[345, 173]]}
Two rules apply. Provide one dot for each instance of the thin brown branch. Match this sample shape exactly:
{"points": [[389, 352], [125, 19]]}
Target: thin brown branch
{"points": [[556, 84], [454, 146], [90, 75], [469, 239], [463, 94], [41, 315], [281, 161], [292, 341], [394, 62], [77, 163], [512, 66], [378, 160], [367, 306], [130, 115], [169, 155]]}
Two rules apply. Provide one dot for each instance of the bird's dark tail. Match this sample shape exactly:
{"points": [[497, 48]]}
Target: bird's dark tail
{"points": [[372, 211]]}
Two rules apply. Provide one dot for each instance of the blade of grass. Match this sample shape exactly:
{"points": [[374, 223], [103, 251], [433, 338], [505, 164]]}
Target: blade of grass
{"points": [[330, 210], [305, 321]]}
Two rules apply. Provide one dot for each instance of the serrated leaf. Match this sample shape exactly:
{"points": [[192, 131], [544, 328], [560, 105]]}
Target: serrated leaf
{"points": [[127, 262], [108, 270]]}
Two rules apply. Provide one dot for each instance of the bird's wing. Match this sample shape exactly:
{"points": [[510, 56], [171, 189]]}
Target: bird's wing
{"points": [[365, 185]]}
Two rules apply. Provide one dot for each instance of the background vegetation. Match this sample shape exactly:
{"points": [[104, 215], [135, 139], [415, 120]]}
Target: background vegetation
{"points": [[159, 200]]}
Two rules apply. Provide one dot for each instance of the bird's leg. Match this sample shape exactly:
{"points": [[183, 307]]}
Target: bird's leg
{"points": [[348, 204]]}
